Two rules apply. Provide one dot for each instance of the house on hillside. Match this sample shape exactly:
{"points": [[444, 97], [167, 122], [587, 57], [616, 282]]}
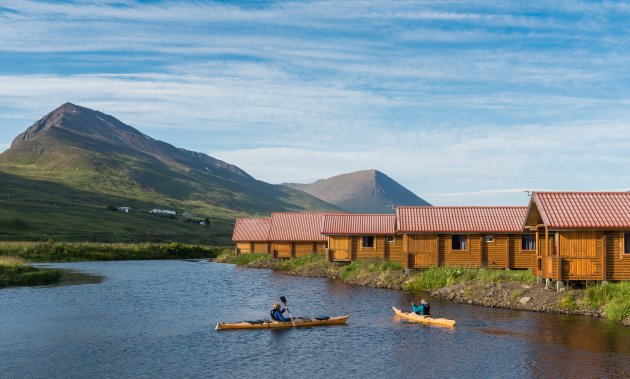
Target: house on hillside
{"points": [[580, 235], [361, 236], [251, 235], [125, 209], [489, 237], [163, 212]]}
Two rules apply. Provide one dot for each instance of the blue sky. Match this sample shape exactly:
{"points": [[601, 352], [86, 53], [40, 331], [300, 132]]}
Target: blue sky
{"points": [[463, 102]]}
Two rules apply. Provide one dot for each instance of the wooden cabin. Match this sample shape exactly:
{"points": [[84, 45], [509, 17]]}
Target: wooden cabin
{"points": [[361, 236], [465, 237], [581, 235], [293, 234], [251, 235]]}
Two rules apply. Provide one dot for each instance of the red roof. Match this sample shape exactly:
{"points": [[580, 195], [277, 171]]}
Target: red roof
{"points": [[460, 219], [358, 224], [251, 229], [297, 226], [584, 210]]}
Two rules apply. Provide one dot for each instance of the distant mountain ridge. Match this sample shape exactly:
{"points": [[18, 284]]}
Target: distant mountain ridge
{"points": [[368, 191], [103, 158]]}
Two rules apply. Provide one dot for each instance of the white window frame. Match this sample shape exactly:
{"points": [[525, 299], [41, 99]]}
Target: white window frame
{"points": [[488, 238], [390, 239]]}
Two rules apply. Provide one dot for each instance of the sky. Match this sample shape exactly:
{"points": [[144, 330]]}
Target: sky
{"points": [[462, 102]]}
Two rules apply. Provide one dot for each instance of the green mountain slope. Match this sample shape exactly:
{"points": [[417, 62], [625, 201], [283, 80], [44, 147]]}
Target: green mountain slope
{"points": [[75, 155]]}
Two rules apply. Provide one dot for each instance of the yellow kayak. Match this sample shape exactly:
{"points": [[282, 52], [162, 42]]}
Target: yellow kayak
{"points": [[270, 324], [423, 319]]}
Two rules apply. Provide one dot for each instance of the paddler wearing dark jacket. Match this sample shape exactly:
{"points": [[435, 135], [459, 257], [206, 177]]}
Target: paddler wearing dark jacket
{"points": [[423, 309], [276, 313]]}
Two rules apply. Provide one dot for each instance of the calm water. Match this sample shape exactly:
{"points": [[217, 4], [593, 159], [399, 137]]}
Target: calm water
{"points": [[156, 319]]}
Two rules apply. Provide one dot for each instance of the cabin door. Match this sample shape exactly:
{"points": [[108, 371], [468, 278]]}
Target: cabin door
{"points": [[340, 249]]}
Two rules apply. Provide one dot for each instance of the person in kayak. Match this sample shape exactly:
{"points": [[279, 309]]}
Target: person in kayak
{"points": [[423, 309], [276, 313]]}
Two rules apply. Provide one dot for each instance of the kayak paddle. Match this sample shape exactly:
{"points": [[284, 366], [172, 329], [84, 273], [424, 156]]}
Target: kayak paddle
{"points": [[284, 301]]}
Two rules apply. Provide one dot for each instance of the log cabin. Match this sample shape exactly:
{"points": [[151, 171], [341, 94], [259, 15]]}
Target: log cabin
{"points": [[251, 235], [294, 234], [466, 237], [580, 235], [361, 236]]}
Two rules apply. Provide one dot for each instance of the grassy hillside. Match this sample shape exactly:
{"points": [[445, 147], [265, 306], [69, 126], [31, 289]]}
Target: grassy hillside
{"points": [[60, 176], [34, 210]]}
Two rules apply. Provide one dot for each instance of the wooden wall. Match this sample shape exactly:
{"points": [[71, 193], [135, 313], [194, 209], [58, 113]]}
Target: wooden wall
{"points": [[495, 253], [585, 255], [617, 264], [261, 247], [431, 250], [302, 248], [393, 251], [243, 247], [519, 258], [580, 255], [283, 249], [347, 248], [460, 258]]}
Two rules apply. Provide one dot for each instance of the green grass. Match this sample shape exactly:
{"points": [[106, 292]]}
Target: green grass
{"points": [[363, 267], [240, 259], [15, 272], [51, 251], [568, 302], [441, 277], [614, 298], [304, 262]]}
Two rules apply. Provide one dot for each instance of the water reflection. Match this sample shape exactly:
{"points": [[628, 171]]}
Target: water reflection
{"points": [[156, 319]]}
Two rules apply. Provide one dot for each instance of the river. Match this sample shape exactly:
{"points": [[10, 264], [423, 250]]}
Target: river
{"points": [[150, 319]]}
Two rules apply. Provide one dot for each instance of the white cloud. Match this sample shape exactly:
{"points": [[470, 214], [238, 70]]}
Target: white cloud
{"points": [[464, 166]]}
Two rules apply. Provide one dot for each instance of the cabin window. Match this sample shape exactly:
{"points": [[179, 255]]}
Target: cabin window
{"points": [[367, 241], [458, 242], [390, 239], [626, 243], [326, 245], [528, 242], [489, 238]]}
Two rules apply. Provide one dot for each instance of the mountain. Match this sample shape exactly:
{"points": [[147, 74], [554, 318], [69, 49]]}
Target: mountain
{"points": [[368, 191], [110, 163]]}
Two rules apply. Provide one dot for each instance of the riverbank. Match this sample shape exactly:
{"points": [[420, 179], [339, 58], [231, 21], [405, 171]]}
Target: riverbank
{"points": [[51, 251], [490, 288], [16, 272]]}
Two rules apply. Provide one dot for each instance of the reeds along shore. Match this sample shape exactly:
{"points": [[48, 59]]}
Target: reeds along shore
{"points": [[51, 251], [515, 289]]}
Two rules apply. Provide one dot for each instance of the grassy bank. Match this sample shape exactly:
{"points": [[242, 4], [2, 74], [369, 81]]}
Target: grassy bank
{"points": [[51, 251], [16, 272], [613, 298], [439, 277]]}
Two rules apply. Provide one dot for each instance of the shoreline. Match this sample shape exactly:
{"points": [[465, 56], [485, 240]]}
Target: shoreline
{"points": [[520, 295]]}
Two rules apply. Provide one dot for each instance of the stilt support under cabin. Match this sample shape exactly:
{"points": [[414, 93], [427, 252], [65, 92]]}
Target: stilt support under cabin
{"points": [[548, 283], [539, 280], [559, 285]]}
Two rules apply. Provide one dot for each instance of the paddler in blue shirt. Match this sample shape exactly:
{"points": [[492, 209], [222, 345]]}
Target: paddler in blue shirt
{"points": [[276, 313], [423, 309]]}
